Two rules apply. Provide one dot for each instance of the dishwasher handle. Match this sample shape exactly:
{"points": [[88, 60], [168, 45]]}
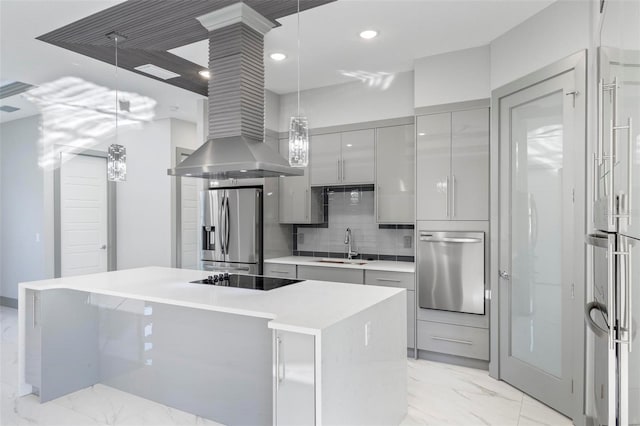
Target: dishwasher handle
{"points": [[432, 239]]}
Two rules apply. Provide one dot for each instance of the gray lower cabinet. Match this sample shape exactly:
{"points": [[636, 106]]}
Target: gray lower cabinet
{"points": [[399, 280], [279, 270], [324, 273], [469, 342], [294, 380]]}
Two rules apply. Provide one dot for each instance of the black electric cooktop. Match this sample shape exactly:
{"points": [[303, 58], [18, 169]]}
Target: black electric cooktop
{"points": [[253, 282]]}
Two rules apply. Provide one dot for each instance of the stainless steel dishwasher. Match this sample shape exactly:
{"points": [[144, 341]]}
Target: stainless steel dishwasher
{"points": [[451, 271]]}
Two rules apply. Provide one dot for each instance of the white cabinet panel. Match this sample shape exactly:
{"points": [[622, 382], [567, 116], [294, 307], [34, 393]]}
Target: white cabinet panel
{"points": [[469, 185], [358, 156], [433, 166], [324, 159], [294, 379], [395, 174]]}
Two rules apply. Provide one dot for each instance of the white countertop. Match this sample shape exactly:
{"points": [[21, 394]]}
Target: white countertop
{"points": [[307, 307], [374, 265]]}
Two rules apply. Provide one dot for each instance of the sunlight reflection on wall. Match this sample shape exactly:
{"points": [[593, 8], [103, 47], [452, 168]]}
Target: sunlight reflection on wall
{"points": [[78, 115], [378, 80]]}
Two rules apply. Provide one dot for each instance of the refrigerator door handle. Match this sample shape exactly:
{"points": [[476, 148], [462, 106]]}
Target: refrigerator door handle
{"points": [[220, 226], [226, 226], [597, 330]]}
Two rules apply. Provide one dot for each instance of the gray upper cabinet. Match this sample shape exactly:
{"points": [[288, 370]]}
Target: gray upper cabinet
{"points": [[298, 203], [324, 159], [358, 156], [469, 192], [452, 164], [433, 166], [395, 174], [342, 158]]}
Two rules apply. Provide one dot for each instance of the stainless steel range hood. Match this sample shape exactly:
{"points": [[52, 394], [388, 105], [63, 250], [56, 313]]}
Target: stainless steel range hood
{"points": [[235, 157], [235, 147]]}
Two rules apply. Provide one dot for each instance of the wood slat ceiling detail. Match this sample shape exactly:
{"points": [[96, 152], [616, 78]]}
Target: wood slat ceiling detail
{"points": [[154, 26]]}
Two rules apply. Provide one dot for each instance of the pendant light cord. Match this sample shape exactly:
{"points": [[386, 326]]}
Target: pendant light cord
{"points": [[116, 41], [298, 58]]}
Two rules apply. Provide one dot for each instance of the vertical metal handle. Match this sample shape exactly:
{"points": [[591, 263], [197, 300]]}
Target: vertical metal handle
{"points": [[596, 165], [338, 170], [33, 317], [453, 196], [446, 189], [280, 374], [342, 168], [220, 226], [226, 225], [611, 277], [378, 202], [599, 145], [629, 169], [307, 201]]}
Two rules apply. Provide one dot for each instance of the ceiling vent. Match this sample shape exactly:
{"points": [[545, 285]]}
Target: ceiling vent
{"points": [[13, 88], [8, 108], [156, 71]]}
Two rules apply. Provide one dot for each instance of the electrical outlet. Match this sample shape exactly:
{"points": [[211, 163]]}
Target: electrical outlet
{"points": [[367, 333], [408, 241]]}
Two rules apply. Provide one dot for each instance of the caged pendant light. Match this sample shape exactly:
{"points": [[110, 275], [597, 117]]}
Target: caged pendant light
{"points": [[298, 126], [116, 154]]}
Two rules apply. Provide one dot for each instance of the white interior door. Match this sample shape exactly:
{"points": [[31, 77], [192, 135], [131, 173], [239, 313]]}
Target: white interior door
{"points": [[83, 215], [536, 239]]}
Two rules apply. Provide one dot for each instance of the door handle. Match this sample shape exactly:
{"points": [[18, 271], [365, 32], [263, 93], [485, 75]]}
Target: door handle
{"points": [[220, 226], [103, 247], [504, 275], [597, 330]]}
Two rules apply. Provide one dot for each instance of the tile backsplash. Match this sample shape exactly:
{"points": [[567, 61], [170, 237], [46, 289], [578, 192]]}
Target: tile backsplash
{"points": [[354, 208]]}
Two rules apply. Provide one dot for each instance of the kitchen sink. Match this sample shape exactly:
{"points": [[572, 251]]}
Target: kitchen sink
{"points": [[344, 261]]}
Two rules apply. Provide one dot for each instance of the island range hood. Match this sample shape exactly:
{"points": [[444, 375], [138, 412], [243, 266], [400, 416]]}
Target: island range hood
{"points": [[235, 148]]}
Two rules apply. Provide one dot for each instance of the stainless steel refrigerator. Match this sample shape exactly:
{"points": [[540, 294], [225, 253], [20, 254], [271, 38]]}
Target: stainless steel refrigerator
{"points": [[231, 234], [612, 312]]}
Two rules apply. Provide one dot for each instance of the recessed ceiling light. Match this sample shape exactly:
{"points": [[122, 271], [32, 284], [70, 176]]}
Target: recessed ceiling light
{"points": [[349, 145], [277, 56], [243, 171], [156, 71], [205, 73], [368, 34], [421, 134]]}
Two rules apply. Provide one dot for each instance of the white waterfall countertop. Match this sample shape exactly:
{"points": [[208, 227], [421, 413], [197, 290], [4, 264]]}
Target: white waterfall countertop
{"points": [[307, 307], [373, 265]]}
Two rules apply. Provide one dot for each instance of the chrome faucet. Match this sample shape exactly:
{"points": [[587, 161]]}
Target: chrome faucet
{"points": [[347, 240]]}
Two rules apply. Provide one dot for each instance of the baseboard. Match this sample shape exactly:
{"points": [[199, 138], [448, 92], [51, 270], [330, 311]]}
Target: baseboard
{"points": [[8, 301], [453, 359]]}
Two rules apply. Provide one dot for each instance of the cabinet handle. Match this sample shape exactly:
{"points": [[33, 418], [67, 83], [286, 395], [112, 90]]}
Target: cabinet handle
{"points": [[342, 169], [33, 317], [279, 272], [378, 202], [453, 196], [446, 339], [338, 170], [279, 362], [446, 189], [388, 280], [307, 201]]}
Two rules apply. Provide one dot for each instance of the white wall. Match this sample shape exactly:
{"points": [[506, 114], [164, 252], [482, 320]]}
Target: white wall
{"points": [[350, 103], [22, 200], [458, 76], [271, 110], [555, 32]]}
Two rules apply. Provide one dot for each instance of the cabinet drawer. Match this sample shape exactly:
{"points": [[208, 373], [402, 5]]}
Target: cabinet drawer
{"points": [[324, 273], [458, 340], [279, 270], [390, 279]]}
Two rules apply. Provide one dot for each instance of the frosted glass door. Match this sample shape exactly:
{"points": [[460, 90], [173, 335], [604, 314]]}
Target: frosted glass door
{"points": [[536, 228]]}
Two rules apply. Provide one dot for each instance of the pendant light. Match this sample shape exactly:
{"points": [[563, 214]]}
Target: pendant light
{"points": [[116, 154], [298, 126]]}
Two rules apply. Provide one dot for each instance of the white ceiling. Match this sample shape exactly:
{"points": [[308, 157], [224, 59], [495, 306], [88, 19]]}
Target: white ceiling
{"points": [[330, 44]]}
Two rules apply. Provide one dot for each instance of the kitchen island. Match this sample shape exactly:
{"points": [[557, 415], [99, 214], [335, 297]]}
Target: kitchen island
{"points": [[309, 353]]}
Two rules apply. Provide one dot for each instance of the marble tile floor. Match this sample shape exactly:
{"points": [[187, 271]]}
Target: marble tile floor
{"points": [[439, 394]]}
